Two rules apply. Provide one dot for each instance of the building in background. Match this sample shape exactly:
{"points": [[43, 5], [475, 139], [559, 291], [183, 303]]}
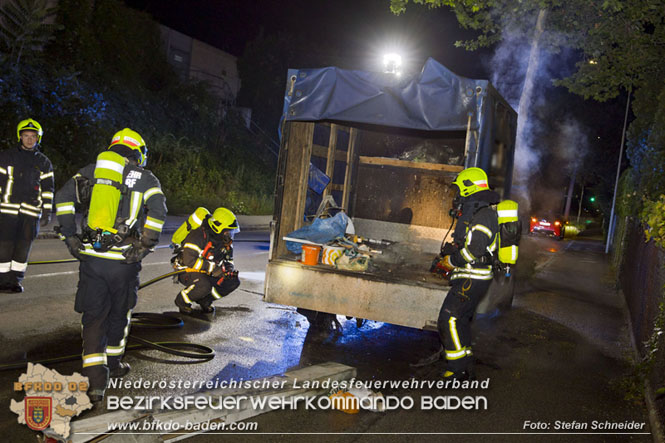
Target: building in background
{"points": [[192, 59]]}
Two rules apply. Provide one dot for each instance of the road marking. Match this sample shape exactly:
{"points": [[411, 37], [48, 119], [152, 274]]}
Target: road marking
{"points": [[55, 274]]}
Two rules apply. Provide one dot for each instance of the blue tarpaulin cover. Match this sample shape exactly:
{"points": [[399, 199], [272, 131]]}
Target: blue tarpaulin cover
{"points": [[435, 99], [322, 230]]}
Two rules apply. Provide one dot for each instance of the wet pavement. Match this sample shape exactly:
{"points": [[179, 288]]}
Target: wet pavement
{"points": [[559, 357]]}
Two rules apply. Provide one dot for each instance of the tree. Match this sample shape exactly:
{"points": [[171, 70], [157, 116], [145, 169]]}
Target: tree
{"points": [[24, 29], [621, 45]]}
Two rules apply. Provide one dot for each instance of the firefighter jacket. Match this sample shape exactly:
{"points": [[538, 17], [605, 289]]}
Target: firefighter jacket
{"points": [[26, 182], [142, 207], [479, 243], [203, 251]]}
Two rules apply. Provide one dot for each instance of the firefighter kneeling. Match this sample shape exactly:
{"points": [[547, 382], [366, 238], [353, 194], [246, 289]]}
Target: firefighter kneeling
{"points": [[207, 253]]}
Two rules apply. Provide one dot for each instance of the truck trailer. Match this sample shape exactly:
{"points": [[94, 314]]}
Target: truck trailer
{"points": [[384, 149]]}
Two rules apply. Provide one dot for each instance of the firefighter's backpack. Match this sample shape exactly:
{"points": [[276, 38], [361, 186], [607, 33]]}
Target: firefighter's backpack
{"points": [[193, 221], [510, 232], [107, 190]]}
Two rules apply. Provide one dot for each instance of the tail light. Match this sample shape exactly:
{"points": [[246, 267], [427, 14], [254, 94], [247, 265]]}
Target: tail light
{"points": [[533, 219], [557, 223]]}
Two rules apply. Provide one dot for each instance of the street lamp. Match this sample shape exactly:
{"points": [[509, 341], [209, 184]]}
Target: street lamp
{"points": [[392, 63]]}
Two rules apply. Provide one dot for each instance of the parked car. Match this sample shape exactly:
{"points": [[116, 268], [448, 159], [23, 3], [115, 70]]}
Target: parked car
{"points": [[547, 224]]}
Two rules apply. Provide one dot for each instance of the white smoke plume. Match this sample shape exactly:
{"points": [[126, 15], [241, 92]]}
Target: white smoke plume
{"points": [[510, 67]]}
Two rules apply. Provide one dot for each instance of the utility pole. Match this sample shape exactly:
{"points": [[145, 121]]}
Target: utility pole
{"points": [[579, 207], [610, 226]]}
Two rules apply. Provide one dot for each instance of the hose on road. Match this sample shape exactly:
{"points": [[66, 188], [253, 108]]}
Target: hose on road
{"points": [[144, 320]]}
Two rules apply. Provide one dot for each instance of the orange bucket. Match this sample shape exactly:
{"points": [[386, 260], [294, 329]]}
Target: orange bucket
{"points": [[310, 254]]}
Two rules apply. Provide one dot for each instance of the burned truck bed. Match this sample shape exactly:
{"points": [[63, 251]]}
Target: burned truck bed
{"points": [[386, 154]]}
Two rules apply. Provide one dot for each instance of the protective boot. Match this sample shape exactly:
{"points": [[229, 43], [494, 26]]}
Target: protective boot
{"points": [[119, 372], [96, 395], [183, 306], [468, 373], [206, 304]]}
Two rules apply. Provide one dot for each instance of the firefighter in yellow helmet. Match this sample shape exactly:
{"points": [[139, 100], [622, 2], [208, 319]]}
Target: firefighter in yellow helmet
{"points": [[207, 253], [124, 209], [26, 201], [469, 260]]}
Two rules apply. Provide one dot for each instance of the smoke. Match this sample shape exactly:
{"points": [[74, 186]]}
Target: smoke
{"points": [[522, 71], [571, 144]]}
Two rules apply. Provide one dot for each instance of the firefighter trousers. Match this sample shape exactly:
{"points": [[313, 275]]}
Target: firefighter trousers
{"points": [[17, 233], [204, 289], [107, 293], [454, 322]]}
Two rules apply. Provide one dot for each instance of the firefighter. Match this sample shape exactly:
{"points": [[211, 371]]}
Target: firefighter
{"points": [[26, 201], [469, 259], [207, 253], [110, 258]]}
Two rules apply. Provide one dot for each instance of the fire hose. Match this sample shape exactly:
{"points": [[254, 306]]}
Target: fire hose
{"points": [[144, 320]]}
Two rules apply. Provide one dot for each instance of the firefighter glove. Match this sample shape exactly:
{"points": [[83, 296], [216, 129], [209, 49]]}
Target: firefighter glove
{"points": [[136, 253], [218, 271], [75, 246], [448, 249], [149, 239]]}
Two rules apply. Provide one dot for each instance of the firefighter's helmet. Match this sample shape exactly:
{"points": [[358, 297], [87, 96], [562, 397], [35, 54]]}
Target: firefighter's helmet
{"points": [[133, 141], [29, 125], [223, 219], [470, 181]]}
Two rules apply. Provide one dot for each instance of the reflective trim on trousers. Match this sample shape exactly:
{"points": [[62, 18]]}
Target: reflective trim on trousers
{"points": [[215, 294], [120, 349], [456, 355], [452, 326], [20, 267], [185, 293], [94, 360]]}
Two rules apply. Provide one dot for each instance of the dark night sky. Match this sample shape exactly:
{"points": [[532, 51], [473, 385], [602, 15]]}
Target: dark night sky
{"points": [[361, 30], [358, 32]]}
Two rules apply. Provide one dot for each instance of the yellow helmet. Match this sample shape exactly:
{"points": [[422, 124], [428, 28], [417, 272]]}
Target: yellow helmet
{"points": [[470, 181], [29, 125], [223, 219], [133, 141]]}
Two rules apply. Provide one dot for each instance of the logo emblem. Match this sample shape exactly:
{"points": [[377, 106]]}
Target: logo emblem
{"points": [[38, 412]]}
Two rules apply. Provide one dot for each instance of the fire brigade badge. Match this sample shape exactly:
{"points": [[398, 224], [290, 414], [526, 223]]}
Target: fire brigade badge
{"points": [[38, 412]]}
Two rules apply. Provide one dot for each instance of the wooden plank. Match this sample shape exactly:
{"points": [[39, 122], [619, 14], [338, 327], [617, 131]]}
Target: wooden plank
{"points": [[334, 187], [350, 152], [322, 151], [299, 150], [384, 161], [330, 159]]}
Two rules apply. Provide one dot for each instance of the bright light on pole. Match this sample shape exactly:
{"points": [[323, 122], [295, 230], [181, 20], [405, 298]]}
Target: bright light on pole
{"points": [[392, 63]]}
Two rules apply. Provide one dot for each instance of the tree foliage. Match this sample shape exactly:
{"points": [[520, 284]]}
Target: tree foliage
{"points": [[622, 42], [105, 69], [24, 29]]}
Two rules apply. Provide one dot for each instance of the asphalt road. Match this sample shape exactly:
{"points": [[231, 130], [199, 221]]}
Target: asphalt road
{"points": [[559, 357]]}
